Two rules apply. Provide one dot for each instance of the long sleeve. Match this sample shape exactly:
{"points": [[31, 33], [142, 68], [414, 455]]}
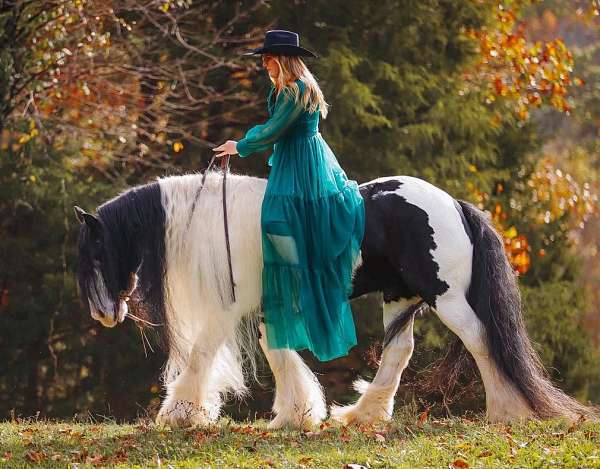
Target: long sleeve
{"points": [[263, 136]]}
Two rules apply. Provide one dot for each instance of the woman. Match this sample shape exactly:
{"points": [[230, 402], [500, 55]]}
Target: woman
{"points": [[312, 216]]}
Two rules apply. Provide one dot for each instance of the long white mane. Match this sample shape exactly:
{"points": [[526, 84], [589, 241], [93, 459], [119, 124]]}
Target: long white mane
{"points": [[197, 274]]}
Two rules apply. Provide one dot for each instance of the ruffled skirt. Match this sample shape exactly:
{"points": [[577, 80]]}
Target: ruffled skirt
{"points": [[313, 223]]}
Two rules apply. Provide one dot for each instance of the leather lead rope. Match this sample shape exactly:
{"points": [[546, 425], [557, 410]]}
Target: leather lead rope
{"points": [[193, 209], [224, 168]]}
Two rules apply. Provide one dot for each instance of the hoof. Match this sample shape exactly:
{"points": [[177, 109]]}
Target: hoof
{"points": [[182, 414], [296, 419], [344, 414], [280, 422], [356, 414], [509, 416]]}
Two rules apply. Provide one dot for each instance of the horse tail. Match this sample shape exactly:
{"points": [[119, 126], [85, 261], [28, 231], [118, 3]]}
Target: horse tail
{"points": [[400, 322], [494, 296]]}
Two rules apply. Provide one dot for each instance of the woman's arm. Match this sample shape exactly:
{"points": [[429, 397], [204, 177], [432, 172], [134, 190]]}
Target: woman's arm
{"points": [[263, 136]]}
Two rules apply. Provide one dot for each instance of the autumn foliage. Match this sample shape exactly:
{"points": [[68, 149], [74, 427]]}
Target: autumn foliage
{"points": [[527, 75]]}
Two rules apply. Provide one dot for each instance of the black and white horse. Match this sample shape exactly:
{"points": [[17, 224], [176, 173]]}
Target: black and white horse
{"points": [[421, 248]]}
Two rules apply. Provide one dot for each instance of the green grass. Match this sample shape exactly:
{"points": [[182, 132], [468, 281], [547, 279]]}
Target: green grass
{"points": [[405, 442]]}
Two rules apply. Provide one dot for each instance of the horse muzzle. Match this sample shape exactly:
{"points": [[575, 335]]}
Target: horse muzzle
{"points": [[107, 320], [111, 319]]}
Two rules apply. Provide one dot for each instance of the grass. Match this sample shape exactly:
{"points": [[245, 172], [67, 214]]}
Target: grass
{"points": [[406, 442]]}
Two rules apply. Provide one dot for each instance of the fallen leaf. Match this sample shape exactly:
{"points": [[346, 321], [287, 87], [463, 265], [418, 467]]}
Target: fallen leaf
{"points": [[464, 445], [423, 417], [76, 435], [96, 459], [575, 425], [484, 454], [324, 425], [35, 456], [121, 455], [460, 464]]}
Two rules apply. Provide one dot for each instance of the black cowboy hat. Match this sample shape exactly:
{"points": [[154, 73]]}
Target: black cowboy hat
{"points": [[279, 41]]}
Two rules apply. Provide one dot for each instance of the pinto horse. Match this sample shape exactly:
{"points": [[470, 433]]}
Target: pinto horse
{"points": [[421, 249]]}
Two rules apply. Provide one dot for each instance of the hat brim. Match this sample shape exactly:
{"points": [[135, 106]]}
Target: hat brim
{"points": [[283, 49]]}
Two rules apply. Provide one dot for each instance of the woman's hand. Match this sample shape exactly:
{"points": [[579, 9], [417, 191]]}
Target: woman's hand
{"points": [[228, 148]]}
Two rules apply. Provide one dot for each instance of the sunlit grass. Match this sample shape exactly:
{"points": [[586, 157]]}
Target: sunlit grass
{"points": [[405, 442]]}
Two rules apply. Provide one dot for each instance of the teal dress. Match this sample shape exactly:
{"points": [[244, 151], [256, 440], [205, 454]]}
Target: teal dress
{"points": [[312, 221]]}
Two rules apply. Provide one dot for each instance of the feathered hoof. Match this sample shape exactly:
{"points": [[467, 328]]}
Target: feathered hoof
{"points": [[508, 416], [357, 414], [507, 408], [298, 420], [295, 422], [182, 414]]}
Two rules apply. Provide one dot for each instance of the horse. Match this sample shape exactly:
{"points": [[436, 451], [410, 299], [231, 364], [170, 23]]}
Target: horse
{"points": [[421, 249]]}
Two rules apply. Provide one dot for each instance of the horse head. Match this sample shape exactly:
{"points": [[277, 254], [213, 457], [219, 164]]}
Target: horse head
{"points": [[106, 271]]}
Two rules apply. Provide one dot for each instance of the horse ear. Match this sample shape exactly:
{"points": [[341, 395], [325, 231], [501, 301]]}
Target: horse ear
{"points": [[89, 219], [79, 213], [93, 223]]}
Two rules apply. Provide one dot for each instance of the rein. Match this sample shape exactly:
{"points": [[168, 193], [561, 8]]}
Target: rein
{"points": [[224, 169]]}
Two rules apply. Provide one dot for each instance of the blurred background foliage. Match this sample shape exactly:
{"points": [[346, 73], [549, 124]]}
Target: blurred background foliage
{"points": [[496, 102]]}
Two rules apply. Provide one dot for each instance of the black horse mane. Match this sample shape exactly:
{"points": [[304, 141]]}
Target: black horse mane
{"points": [[135, 224]]}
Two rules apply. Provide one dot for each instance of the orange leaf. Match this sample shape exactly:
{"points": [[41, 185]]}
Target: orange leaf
{"points": [[35, 456], [460, 464], [423, 417]]}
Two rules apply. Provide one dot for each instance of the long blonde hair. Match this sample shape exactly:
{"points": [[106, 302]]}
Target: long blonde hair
{"points": [[292, 68]]}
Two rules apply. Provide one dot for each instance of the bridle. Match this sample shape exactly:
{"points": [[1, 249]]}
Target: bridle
{"points": [[224, 169]]}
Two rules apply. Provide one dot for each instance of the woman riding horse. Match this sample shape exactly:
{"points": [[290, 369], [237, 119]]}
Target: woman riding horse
{"points": [[312, 216]]}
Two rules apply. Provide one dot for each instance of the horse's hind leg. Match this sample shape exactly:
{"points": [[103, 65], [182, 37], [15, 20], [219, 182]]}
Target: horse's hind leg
{"points": [[299, 401], [503, 401], [377, 400]]}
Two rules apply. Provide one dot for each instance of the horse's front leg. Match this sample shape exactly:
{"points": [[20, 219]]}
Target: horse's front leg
{"points": [[299, 401], [192, 399]]}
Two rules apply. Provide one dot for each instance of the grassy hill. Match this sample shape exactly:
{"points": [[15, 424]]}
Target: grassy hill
{"points": [[405, 442]]}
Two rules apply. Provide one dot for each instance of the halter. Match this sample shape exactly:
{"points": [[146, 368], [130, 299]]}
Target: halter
{"points": [[224, 168]]}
